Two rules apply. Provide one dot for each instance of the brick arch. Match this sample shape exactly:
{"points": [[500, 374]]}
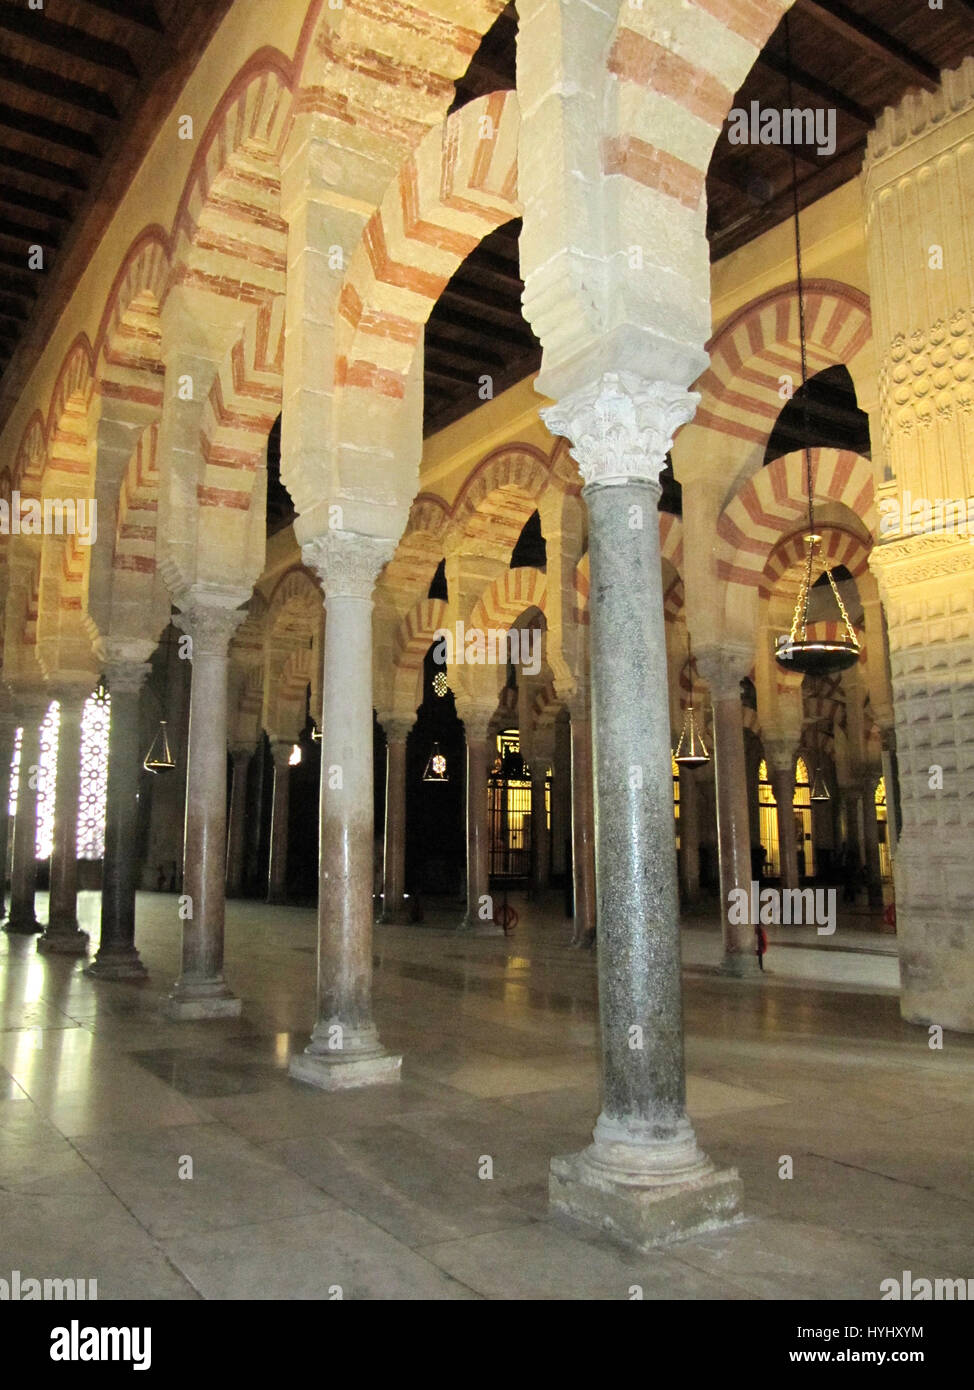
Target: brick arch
{"points": [[840, 546], [74, 384], [31, 456], [671, 539], [138, 505], [412, 641], [503, 601], [459, 185], [740, 391], [128, 346], [515, 470], [295, 594], [772, 503]]}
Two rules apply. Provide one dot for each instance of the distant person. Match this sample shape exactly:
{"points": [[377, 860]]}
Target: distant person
{"points": [[761, 945]]}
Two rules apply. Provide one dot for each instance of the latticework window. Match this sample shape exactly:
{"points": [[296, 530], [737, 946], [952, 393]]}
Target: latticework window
{"points": [[15, 771], [47, 781], [94, 775]]}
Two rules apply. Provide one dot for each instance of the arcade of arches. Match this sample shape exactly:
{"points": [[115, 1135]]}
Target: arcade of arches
{"points": [[239, 381]]}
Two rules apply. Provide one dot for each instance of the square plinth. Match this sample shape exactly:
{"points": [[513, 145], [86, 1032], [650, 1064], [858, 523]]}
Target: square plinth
{"points": [[190, 1010], [643, 1217], [335, 1073]]}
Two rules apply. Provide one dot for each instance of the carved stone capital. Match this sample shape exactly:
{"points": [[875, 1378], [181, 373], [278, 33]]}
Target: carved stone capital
{"points": [[347, 564], [477, 720], [210, 621], [621, 427], [903, 563], [126, 677], [281, 750], [397, 729], [723, 668]]}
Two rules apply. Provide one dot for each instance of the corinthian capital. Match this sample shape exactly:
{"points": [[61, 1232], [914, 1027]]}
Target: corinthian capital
{"points": [[347, 564], [210, 619], [622, 426]]}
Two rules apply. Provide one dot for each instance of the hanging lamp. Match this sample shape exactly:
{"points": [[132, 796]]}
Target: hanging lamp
{"points": [[436, 767], [691, 751], [820, 791], [159, 757], [797, 651]]}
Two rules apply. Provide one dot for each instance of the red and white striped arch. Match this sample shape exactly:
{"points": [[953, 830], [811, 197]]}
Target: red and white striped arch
{"points": [[772, 503], [460, 184], [412, 642], [758, 346], [138, 505], [503, 601], [839, 546], [129, 368]]}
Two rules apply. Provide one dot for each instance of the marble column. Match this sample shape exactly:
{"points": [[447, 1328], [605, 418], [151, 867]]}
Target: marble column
{"points": [[870, 841], [540, 838], [480, 905], [63, 935], [689, 862], [8, 725], [643, 1179], [236, 834], [201, 992], [117, 957], [21, 919], [782, 780], [280, 810], [583, 826], [723, 668], [345, 1049], [394, 908]]}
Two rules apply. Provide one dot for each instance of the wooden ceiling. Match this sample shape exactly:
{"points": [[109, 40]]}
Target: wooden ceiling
{"points": [[84, 87], [85, 84]]}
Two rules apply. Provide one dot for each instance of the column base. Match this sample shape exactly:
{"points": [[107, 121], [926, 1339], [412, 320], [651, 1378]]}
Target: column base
{"points": [[195, 1000], [360, 1061], [22, 925], [477, 927], [63, 941], [117, 963], [645, 1196], [740, 965], [395, 917]]}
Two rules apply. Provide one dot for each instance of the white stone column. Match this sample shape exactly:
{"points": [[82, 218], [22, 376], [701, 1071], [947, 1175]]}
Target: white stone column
{"points": [[280, 810], [689, 836], [345, 1050], [394, 848], [210, 618], [62, 934], [126, 669], [643, 1178], [918, 195], [21, 919], [236, 833], [723, 669], [479, 916], [583, 825]]}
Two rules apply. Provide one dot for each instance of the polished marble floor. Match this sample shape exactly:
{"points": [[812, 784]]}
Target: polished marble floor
{"points": [[105, 1106]]}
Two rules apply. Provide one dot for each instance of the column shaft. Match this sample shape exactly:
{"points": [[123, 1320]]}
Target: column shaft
{"points": [[733, 827], [783, 786], [23, 873], [201, 990], [394, 851], [117, 957], [345, 1049], [870, 843], [280, 812], [583, 832], [689, 837], [480, 915], [540, 839], [236, 833]]}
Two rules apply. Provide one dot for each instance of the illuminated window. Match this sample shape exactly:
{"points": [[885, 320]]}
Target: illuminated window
{"points": [[768, 822], [676, 797], [803, 819], [47, 781], [882, 827], [95, 719]]}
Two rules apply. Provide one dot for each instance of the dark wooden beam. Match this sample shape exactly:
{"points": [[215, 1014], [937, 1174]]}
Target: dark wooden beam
{"points": [[481, 302], [33, 202], [18, 264], [42, 169], [451, 380], [445, 317], [64, 38], [868, 37], [138, 12], [817, 87], [12, 309], [468, 351], [17, 231], [51, 132], [60, 89]]}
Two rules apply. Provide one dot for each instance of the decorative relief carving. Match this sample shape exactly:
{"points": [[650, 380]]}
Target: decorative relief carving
{"points": [[210, 627], [928, 375], [346, 563], [621, 428]]}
